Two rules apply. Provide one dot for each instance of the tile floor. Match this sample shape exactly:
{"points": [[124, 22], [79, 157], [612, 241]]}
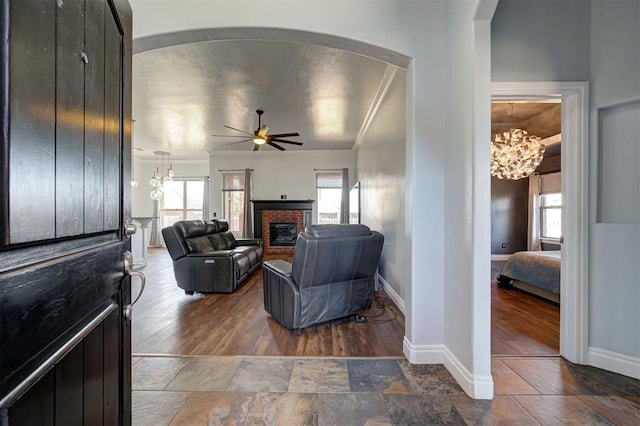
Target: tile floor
{"points": [[373, 391]]}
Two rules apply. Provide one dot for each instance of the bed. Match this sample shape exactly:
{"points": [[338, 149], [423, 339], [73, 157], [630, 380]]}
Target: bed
{"points": [[537, 272]]}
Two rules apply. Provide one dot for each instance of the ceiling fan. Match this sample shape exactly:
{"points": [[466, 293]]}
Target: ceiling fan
{"points": [[260, 136]]}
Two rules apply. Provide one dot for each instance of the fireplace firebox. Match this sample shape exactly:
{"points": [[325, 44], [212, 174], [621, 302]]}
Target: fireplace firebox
{"points": [[283, 233]]}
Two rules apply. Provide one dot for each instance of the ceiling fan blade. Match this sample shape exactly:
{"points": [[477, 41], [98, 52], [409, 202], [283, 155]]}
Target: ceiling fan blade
{"points": [[285, 135], [283, 141], [256, 147], [238, 130], [229, 136], [275, 145], [242, 141], [262, 131]]}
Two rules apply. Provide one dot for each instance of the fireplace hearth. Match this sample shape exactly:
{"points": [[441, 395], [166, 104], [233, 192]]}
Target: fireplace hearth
{"points": [[283, 233]]}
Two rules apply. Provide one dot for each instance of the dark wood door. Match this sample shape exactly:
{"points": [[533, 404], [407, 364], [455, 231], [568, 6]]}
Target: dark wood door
{"points": [[65, 105]]}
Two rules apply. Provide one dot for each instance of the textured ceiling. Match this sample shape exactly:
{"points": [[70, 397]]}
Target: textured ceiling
{"points": [[537, 118], [183, 94]]}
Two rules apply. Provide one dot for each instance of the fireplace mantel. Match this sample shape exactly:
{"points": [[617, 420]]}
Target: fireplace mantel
{"points": [[282, 204], [259, 206]]}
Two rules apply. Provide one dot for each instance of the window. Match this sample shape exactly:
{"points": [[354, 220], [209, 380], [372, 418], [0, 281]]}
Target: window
{"points": [[183, 200], [233, 201], [329, 197], [550, 215]]}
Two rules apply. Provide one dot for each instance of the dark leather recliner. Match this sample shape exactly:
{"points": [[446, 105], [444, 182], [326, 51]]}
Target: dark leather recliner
{"points": [[207, 258], [332, 275]]}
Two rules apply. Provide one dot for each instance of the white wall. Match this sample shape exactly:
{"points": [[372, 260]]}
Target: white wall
{"points": [[141, 203], [380, 169], [556, 36], [277, 172], [614, 286], [612, 52]]}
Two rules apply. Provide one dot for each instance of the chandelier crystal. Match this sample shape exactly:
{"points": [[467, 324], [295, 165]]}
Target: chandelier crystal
{"points": [[159, 175], [515, 154]]}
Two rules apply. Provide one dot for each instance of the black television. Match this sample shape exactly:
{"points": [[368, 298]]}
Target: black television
{"points": [[354, 204]]}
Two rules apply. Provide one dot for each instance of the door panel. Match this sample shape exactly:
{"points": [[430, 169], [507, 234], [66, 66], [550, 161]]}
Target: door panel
{"points": [[94, 118], [93, 373], [64, 155], [32, 109], [112, 155], [43, 306], [69, 118], [68, 401]]}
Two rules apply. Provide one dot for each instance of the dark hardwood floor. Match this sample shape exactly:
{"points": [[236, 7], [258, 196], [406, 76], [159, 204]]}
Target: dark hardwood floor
{"points": [[522, 324], [166, 321]]}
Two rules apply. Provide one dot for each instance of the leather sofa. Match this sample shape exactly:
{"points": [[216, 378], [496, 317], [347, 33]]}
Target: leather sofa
{"points": [[331, 276], [207, 258]]}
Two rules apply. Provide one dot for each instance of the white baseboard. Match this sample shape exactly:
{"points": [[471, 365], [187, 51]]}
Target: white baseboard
{"points": [[499, 257], [612, 361], [392, 294], [477, 387], [422, 354]]}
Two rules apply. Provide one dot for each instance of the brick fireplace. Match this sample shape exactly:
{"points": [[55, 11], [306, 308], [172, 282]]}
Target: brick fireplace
{"points": [[279, 212]]}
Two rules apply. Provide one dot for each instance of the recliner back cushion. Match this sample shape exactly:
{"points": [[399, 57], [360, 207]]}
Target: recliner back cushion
{"points": [[210, 227], [223, 225], [229, 238], [318, 261], [200, 244], [218, 242], [190, 228]]}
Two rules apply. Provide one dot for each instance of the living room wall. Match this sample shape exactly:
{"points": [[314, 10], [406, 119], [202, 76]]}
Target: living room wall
{"points": [[276, 173], [380, 165]]}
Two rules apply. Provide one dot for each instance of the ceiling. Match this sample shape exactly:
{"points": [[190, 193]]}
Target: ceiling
{"points": [[184, 94], [540, 118]]}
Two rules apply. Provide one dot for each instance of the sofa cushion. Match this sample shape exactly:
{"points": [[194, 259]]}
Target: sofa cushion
{"points": [[190, 228], [200, 244], [250, 252], [210, 227], [242, 264], [223, 225], [218, 242], [230, 239]]}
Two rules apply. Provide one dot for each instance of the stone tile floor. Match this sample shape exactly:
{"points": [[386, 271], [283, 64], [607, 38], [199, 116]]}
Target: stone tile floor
{"points": [[289, 391]]}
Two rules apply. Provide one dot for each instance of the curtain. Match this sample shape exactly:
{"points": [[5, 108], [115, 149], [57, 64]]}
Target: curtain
{"points": [[550, 183], [155, 240], [205, 199], [344, 202], [534, 243], [247, 229]]}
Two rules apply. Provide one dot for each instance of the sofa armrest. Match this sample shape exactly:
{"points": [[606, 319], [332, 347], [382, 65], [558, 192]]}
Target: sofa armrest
{"points": [[249, 242], [217, 253], [278, 266]]}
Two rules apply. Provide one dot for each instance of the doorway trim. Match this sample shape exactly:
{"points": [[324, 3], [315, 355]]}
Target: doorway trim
{"points": [[574, 274]]}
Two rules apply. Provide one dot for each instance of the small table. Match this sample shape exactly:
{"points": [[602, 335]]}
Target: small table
{"points": [[139, 243]]}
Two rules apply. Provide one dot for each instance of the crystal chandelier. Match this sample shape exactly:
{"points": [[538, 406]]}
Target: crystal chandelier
{"points": [[159, 177], [515, 154]]}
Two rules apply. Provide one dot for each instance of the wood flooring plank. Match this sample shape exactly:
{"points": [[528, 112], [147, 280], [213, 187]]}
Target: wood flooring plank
{"points": [[166, 321]]}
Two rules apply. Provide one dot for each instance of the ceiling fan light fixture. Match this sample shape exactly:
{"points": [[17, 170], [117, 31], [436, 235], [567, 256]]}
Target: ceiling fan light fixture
{"points": [[259, 141]]}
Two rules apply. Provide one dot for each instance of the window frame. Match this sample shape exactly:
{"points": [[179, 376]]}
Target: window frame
{"points": [[544, 208], [184, 212], [336, 174], [225, 214]]}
